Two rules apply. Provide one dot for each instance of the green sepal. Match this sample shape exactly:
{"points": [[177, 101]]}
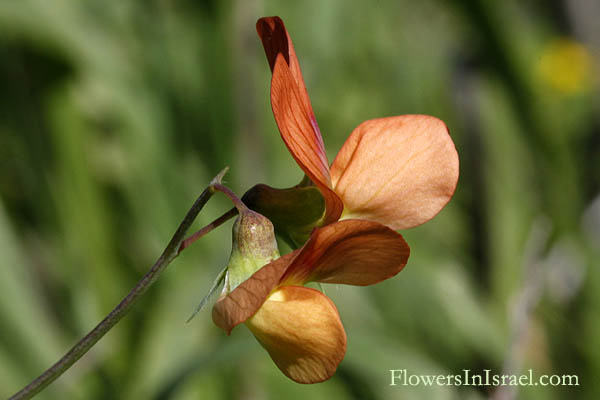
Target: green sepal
{"points": [[253, 246], [295, 212], [217, 282]]}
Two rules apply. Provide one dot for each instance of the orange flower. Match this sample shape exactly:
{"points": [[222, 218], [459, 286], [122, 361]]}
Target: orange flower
{"points": [[300, 327], [392, 173], [399, 171]]}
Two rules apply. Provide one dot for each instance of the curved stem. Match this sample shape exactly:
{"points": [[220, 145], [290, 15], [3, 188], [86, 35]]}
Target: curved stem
{"points": [[237, 202], [216, 223], [171, 251]]}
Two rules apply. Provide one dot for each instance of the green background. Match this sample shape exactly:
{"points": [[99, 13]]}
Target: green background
{"points": [[114, 115]]}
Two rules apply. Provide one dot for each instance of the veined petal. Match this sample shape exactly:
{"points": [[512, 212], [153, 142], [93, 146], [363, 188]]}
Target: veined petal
{"points": [[276, 40], [301, 329], [308, 143], [237, 306], [301, 135], [352, 252], [293, 111], [399, 171]]}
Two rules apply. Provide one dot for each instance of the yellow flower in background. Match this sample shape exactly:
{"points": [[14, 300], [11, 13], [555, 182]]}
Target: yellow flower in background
{"points": [[565, 65]]}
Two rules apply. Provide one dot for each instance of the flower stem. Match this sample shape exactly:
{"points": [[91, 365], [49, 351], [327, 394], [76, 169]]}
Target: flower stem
{"points": [[171, 251], [237, 202], [217, 222]]}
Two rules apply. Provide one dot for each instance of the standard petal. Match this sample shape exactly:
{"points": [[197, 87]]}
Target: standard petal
{"points": [[399, 171], [301, 329], [237, 306], [301, 135], [352, 252], [276, 40]]}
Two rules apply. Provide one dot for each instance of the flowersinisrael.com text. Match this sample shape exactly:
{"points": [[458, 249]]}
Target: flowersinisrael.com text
{"points": [[467, 378]]}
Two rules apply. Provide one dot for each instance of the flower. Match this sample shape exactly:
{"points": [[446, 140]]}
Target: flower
{"points": [[300, 327], [391, 173], [399, 171], [564, 65]]}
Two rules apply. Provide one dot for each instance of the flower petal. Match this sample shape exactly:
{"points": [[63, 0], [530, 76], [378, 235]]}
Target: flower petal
{"points": [[276, 40], [399, 171], [352, 252], [301, 329], [239, 305], [293, 112], [301, 135]]}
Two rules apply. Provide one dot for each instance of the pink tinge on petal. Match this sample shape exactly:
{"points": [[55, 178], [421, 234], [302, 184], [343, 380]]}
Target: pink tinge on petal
{"points": [[300, 133], [293, 111], [276, 41], [399, 171], [352, 252], [301, 329]]}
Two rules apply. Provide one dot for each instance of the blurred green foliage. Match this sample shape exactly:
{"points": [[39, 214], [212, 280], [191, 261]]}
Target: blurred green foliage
{"points": [[114, 115]]}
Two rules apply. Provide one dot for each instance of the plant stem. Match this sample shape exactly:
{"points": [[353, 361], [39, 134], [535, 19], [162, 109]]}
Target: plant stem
{"points": [[171, 251], [237, 202], [217, 222]]}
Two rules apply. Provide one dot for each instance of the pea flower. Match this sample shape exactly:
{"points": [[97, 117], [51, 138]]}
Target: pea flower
{"points": [[391, 173], [300, 327], [399, 171]]}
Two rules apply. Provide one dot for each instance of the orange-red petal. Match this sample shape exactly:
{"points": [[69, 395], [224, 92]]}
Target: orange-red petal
{"points": [[301, 329], [293, 111], [307, 145], [240, 304], [399, 171], [276, 40], [352, 252], [301, 135]]}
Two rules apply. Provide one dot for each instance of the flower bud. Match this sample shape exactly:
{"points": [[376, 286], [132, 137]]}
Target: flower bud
{"points": [[253, 246]]}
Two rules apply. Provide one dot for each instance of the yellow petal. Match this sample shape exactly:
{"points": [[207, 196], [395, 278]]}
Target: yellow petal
{"points": [[301, 329], [399, 171]]}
